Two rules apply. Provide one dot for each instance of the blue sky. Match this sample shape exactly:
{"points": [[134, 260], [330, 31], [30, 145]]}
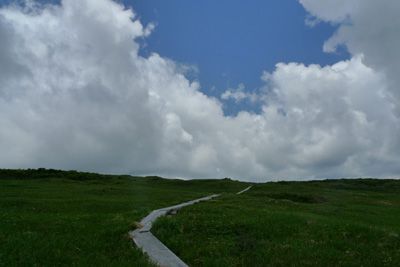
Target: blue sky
{"points": [[232, 41]]}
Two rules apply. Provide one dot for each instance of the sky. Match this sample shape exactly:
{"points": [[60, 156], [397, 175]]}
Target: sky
{"points": [[232, 42], [272, 90]]}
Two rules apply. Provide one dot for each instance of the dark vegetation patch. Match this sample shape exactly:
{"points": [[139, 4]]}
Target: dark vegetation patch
{"points": [[300, 198], [366, 184], [43, 173]]}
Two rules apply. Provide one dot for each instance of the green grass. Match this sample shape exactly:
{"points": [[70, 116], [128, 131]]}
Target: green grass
{"points": [[326, 223], [55, 218]]}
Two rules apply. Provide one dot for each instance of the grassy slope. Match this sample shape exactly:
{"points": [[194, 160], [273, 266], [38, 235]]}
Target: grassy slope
{"points": [[328, 223], [50, 218]]}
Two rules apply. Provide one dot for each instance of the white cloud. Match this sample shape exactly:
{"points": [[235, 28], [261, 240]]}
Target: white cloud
{"points": [[336, 118], [75, 94], [366, 27], [336, 11], [239, 94]]}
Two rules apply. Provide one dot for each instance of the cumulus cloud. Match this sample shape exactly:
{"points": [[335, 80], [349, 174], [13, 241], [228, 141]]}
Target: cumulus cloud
{"points": [[366, 27], [76, 94]]}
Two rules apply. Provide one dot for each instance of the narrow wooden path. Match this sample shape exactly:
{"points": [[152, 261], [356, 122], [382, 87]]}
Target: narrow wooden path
{"points": [[154, 248], [247, 189]]}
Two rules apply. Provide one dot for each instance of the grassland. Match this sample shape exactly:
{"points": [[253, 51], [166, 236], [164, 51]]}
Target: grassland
{"points": [[326, 223], [55, 218]]}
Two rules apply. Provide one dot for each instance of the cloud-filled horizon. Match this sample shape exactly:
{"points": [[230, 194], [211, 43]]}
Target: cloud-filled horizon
{"points": [[76, 93]]}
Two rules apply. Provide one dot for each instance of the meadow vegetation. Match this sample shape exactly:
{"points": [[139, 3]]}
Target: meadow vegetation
{"points": [[319, 223], [69, 218], [58, 218]]}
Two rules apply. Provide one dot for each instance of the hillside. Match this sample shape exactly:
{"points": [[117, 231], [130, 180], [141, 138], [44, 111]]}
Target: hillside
{"points": [[51, 217], [319, 223], [69, 218]]}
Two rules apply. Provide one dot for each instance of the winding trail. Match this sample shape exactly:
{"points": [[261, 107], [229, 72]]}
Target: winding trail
{"points": [[247, 189], [154, 248]]}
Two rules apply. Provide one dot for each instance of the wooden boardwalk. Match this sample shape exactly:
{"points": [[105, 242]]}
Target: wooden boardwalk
{"points": [[154, 248]]}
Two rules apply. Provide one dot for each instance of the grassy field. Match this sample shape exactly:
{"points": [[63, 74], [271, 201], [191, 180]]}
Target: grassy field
{"points": [[326, 223], [54, 218]]}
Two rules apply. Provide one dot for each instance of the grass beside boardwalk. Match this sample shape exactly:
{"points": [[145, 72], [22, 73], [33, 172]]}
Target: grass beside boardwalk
{"points": [[326, 223], [55, 218]]}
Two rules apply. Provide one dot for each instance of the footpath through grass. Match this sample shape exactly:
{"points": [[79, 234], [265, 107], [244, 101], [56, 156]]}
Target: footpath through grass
{"points": [[55, 218], [326, 223]]}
